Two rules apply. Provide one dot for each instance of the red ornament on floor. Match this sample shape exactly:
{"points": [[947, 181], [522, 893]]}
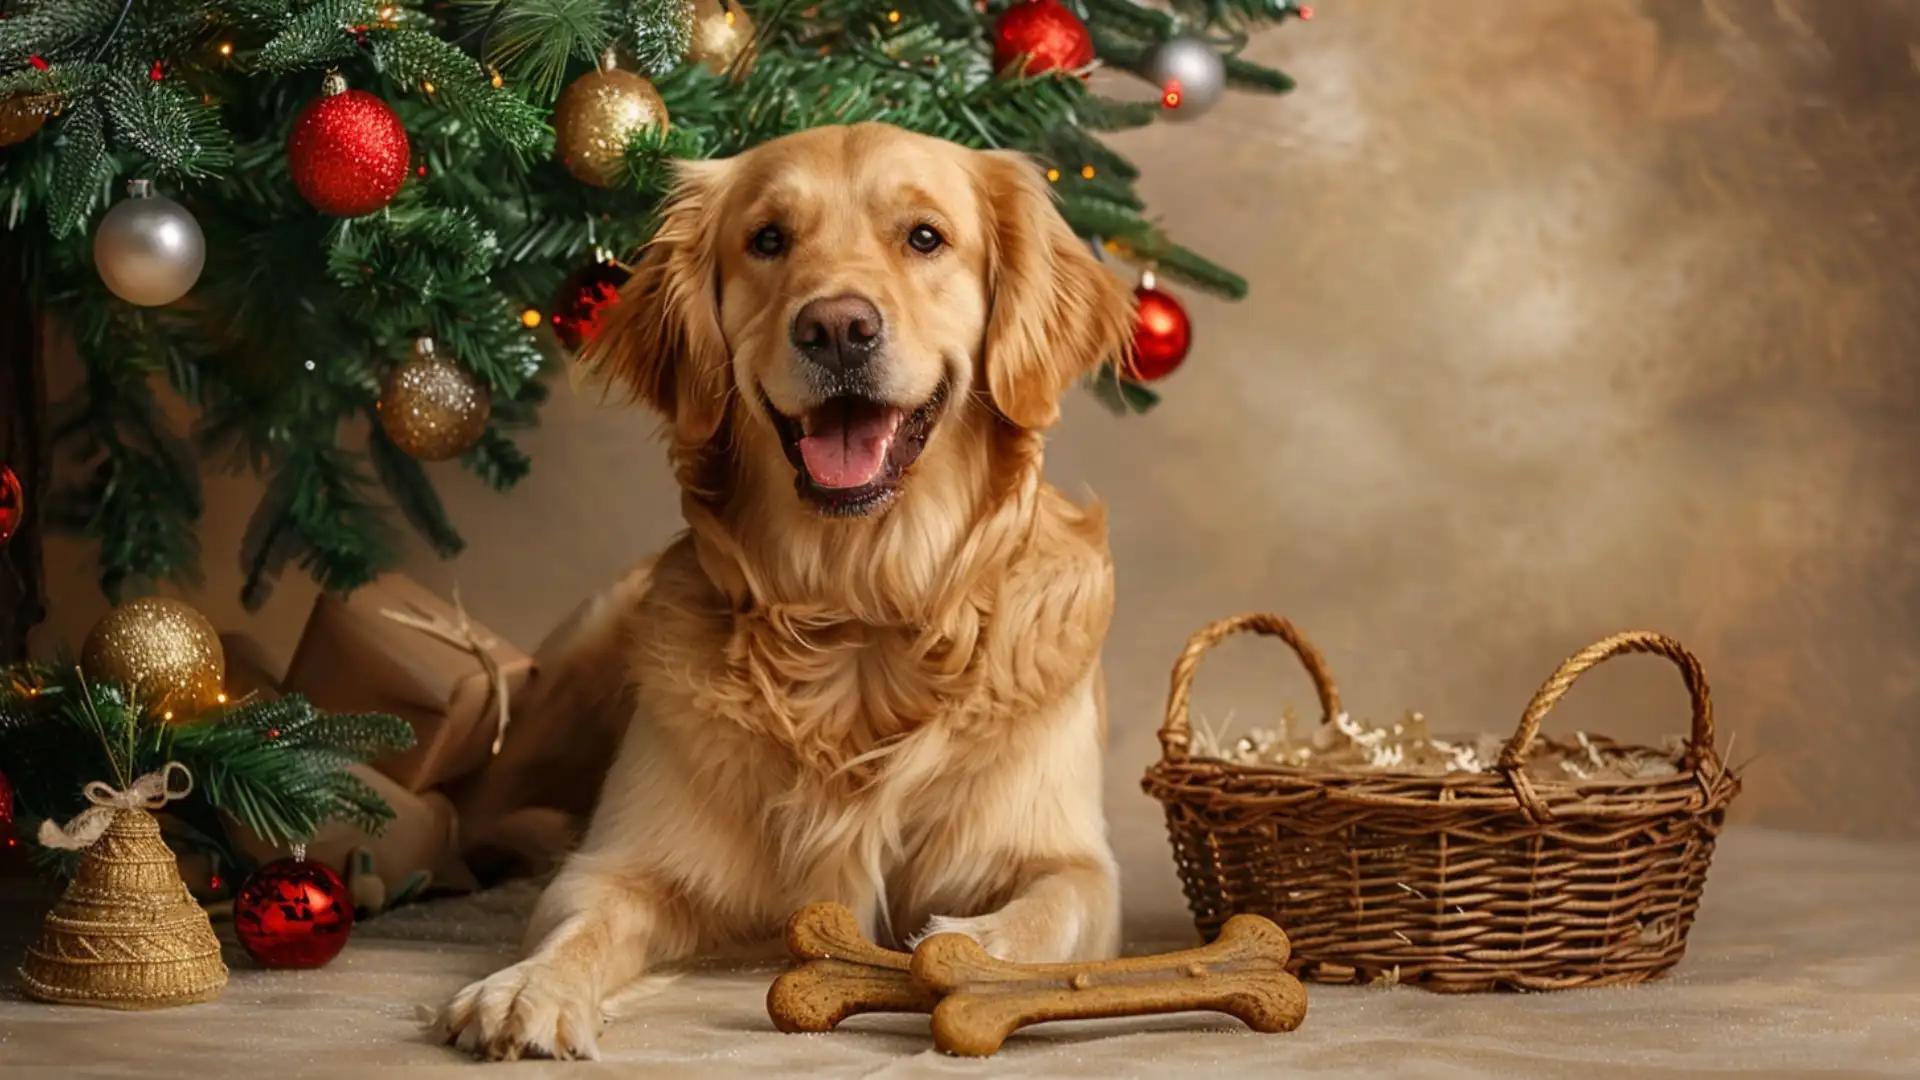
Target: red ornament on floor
{"points": [[293, 914], [1046, 33], [348, 152], [1162, 333], [13, 504]]}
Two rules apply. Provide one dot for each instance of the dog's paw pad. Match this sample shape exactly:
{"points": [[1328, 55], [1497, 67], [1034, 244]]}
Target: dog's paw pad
{"points": [[527, 1010]]}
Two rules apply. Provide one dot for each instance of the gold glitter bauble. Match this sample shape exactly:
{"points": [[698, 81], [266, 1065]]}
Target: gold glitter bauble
{"points": [[163, 651], [597, 115], [23, 115], [722, 33], [433, 408]]}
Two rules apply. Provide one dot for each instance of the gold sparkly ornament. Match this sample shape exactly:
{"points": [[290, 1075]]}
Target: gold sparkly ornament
{"points": [[723, 37], [597, 115], [163, 651], [23, 115], [433, 408], [126, 934]]}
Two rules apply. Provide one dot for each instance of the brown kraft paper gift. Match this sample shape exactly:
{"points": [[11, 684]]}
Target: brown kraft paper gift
{"points": [[356, 656], [415, 853]]}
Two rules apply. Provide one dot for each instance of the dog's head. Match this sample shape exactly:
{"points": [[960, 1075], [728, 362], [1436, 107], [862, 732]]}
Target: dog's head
{"points": [[845, 293]]}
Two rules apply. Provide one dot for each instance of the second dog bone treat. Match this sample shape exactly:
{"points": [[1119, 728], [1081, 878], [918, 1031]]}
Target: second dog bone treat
{"points": [[1243, 973], [844, 974]]}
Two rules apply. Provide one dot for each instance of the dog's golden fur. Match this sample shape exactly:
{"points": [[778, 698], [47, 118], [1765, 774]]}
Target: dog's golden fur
{"points": [[900, 711]]}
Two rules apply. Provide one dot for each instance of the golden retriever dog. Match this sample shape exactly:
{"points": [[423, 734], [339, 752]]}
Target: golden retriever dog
{"points": [[869, 670]]}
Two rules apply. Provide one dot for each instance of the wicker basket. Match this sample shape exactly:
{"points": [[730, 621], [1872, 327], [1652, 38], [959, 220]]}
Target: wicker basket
{"points": [[1451, 882]]}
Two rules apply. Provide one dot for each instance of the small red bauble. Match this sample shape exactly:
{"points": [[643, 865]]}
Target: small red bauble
{"points": [[1044, 32], [583, 301], [293, 914], [13, 504], [6, 805], [1161, 333], [348, 151]]}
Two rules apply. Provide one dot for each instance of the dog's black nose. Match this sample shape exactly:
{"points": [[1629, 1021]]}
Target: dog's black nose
{"points": [[839, 333]]}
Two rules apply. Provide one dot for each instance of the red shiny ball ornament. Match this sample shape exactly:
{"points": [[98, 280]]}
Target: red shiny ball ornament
{"points": [[13, 504], [583, 302], [348, 152], [1044, 32], [293, 914], [1162, 333]]}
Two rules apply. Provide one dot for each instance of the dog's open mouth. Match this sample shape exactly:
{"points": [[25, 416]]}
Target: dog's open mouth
{"points": [[851, 452]]}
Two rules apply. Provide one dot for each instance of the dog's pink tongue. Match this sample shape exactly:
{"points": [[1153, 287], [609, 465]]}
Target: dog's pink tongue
{"points": [[848, 449]]}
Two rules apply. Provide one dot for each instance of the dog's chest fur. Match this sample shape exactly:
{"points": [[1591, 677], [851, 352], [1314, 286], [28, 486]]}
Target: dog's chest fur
{"points": [[849, 743]]}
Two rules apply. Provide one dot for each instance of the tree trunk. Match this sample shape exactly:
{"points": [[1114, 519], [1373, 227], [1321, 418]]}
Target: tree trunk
{"points": [[23, 446]]}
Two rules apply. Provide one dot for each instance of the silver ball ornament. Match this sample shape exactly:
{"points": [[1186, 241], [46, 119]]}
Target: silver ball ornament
{"points": [[1190, 75], [149, 249]]}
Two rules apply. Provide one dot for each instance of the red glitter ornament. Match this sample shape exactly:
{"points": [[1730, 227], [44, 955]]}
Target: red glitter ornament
{"points": [[1162, 333], [6, 806], [13, 504], [583, 301], [293, 914], [1044, 32], [348, 152]]}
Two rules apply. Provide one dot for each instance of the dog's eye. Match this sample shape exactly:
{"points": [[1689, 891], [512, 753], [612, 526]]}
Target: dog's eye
{"points": [[925, 239], [768, 242]]}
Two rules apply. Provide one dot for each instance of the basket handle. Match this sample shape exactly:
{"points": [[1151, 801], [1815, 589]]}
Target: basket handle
{"points": [[1175, 734], [1699, 744]]}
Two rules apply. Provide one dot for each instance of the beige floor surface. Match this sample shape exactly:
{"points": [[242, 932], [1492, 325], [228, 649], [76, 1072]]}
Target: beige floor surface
{"points": [[1806, 960]]}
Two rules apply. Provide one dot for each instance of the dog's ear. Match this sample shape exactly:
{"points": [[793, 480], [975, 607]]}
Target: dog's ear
{"points": [[662, 337], [1055, 311]]}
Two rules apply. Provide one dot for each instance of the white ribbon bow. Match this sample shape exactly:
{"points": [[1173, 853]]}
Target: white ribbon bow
{"points": [[150, 792]]}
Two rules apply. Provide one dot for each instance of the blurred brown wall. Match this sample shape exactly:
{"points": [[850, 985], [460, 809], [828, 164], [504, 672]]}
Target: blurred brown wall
{"points": [[1567, 316]]}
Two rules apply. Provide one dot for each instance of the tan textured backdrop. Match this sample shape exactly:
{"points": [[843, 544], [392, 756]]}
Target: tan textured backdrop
{"points": [[1568, 316]]}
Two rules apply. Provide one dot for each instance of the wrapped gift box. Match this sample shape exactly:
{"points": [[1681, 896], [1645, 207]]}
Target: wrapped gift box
{"points": [[386, 648]]}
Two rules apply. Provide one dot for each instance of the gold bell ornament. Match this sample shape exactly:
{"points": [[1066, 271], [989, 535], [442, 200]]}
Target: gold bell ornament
{"points": [[126, 934]]}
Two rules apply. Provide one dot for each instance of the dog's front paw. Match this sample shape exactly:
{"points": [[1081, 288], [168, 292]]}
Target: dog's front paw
{"points": [[531, 1009], [1005, 935]]}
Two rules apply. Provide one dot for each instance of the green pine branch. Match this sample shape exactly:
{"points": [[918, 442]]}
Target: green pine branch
{"points": [[276, 765], [316, 512], [1247, 75], [419, 60], [82, 171], [179, 134], [53, 29], [539, 40], [658, 33], [281, 349], [316, 36]]}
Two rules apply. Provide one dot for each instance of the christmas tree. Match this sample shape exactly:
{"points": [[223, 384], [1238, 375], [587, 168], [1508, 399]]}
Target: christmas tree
{"points": [[389, 197]]}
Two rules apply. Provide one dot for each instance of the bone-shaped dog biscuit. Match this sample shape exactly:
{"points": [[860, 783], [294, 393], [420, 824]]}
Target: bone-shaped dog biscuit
{"points": [[977, 1000], [843, 975], [984, 999]]}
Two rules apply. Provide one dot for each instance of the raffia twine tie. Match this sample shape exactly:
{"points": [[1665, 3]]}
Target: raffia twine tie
{"points": [[149, 792], [461, 634]]}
